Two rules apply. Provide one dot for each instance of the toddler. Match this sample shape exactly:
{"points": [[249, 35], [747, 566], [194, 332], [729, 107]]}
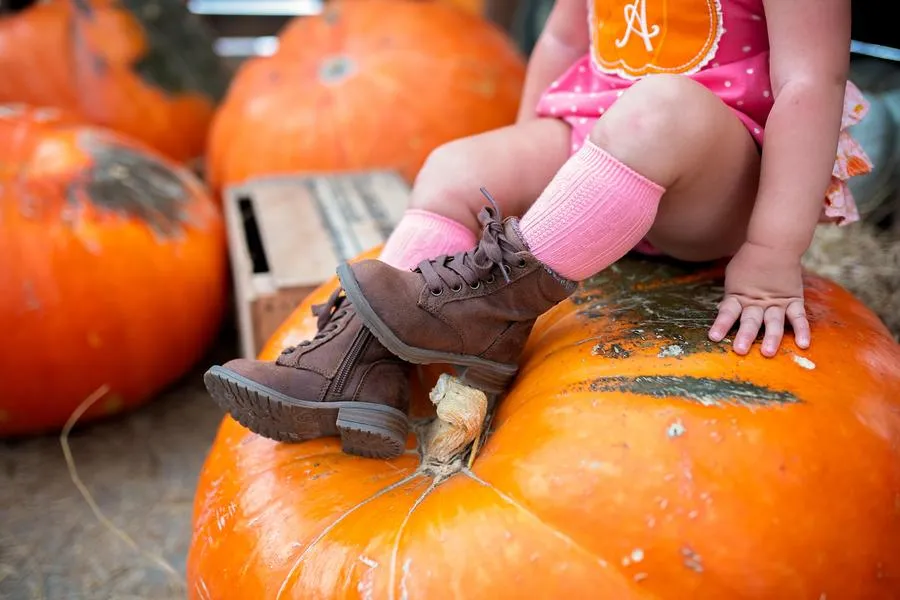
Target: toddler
{"points": [[641, 128]]}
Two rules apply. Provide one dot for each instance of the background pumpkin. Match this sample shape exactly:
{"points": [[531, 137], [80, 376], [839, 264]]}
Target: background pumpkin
{"points": [[142, 67], [366, 84], [632, 458], [112, 269]]}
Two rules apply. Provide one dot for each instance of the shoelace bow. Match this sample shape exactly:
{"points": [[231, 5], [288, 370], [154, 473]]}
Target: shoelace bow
{"points": [[477, 265], [328, 313]]}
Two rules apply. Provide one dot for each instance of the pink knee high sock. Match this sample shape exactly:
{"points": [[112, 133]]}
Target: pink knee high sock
{"points": [[421, 235], [591, 214]]}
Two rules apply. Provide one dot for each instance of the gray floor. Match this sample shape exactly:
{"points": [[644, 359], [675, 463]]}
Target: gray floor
{"points": [[141, 470]]}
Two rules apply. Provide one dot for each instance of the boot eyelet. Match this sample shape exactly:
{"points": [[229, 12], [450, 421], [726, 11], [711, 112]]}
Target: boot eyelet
{"points": [[490, 279], [437, 292], [456, 288], [522, 264], [476, 286]]}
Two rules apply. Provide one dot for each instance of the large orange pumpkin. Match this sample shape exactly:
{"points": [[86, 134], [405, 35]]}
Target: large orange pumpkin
{"points": [[142, 67], [632, 458], [112, 269], [366, 84]]}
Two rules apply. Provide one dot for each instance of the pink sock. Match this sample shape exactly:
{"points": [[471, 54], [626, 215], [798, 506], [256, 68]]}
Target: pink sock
{"points": [[421, 235], [591, 214]]}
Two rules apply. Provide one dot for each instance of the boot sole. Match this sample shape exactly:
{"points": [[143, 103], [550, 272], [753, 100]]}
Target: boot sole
{"points": [[365, 428], [489, 376]]}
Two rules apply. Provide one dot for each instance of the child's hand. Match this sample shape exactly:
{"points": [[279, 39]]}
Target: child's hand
{"points": [[762, 286]]}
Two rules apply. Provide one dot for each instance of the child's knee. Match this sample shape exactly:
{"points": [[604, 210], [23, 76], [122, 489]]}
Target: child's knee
{"points": [[662, 126], [660, 110]]}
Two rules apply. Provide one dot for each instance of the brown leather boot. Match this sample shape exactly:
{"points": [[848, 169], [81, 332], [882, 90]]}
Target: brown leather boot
{"points": [[474, 310], [341, 382]]}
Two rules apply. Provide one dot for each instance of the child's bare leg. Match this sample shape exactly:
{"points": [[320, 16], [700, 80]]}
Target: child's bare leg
{"points": [[668, 160], [514, 163], [677, 133]]}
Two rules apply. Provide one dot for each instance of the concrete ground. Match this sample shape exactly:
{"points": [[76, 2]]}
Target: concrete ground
{"points": [[141, 470]]}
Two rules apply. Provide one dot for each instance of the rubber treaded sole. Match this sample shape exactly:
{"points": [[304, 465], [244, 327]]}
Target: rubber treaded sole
{"points": [[365, 428], [489, 376]]}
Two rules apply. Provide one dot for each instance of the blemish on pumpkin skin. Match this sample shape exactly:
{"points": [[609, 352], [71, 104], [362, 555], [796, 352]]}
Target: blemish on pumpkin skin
{"points": [[671, 351], [610, 351], [133, 184], [676, 429], [673, 308], [702, 390], [172, 36], [804, 362], [691, 559]]}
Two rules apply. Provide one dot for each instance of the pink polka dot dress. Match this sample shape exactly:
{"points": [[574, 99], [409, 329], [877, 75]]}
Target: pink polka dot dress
{"points": [[721, 44]]}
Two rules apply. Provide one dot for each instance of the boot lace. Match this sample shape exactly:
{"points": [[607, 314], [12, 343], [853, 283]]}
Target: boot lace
{"points": [[472, 267], [328, 313]]}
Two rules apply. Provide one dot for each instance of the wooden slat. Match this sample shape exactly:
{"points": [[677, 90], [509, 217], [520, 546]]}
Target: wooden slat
{"points": [[308, 225]]}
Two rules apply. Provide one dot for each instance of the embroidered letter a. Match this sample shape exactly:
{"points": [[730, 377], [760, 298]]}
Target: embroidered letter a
{"points": [[636, 22]]}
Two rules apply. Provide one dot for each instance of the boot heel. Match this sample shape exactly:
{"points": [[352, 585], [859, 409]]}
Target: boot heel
{"points": [[490, 381], [372, 433]]}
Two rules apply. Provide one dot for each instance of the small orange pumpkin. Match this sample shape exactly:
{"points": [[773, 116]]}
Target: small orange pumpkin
{"points": [[145, 68], [632, 458], [366, 84], [112, 269]]}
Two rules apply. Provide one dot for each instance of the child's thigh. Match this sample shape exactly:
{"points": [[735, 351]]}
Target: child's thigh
{"points": [[513, 163], [705, 215], [679, 134]]}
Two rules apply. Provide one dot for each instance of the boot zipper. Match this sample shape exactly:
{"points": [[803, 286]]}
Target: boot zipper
{"points": [[356, 350]]}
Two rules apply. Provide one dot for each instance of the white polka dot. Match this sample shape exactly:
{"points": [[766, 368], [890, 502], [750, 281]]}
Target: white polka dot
{"points": [[716, 65], [552, 110], [555, 84], [578, 88], [582, 120], [619, 94], [756, 17], [574, 146], [766, 93], [746, 49], [574, 108], [727, 84], [601, 110], [581, 69], [740, 102], [756, 130]]}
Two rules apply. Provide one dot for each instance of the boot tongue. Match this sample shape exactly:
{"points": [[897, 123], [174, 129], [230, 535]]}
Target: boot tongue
{"points": [[513, 236]]}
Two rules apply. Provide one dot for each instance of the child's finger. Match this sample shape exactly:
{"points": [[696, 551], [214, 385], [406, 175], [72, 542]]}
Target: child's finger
{"points": [[796, 314], [729, 313], [751, 321], [774, 321]]}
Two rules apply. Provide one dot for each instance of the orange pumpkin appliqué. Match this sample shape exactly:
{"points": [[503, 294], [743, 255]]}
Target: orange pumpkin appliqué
{"points": [[634, 38]]}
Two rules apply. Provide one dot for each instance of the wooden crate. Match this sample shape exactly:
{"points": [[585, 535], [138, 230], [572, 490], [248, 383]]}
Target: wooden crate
{"points": [[288, 233]]}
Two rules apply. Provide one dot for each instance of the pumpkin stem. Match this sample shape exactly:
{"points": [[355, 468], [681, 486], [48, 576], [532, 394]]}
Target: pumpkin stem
{"points": [[461, 412]]}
